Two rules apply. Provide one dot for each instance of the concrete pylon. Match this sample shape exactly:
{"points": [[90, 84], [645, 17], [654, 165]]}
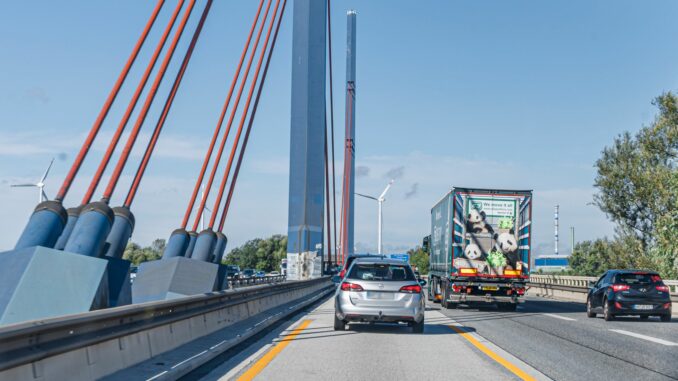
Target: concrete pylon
{"points": [[307, 171]]}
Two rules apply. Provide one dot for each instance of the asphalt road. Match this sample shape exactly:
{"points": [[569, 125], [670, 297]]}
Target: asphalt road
{"points": [[561, 342], [543, 339]]}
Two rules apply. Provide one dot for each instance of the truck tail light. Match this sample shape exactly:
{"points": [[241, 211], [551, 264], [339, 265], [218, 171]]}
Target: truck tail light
{"points": [[456, 289], [411, 289], [520, 291], [620, 287], [346, 286], [468, 271]]}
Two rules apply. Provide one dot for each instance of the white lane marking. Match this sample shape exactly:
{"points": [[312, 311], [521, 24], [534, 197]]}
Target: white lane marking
{"points": [[189, 359], [648, 338], [157, 375], [559, 317]]}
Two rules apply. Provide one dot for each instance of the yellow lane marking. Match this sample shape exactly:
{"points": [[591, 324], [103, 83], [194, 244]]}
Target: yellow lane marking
{"points": [[512, 368], [255, 369]]}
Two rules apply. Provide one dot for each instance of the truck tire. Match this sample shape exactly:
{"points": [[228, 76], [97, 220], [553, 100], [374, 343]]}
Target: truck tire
{"points": [[429, 290], [435, 291]]}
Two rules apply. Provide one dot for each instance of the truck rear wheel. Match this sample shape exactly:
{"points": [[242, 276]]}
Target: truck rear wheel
{"points": [[436, 291]]}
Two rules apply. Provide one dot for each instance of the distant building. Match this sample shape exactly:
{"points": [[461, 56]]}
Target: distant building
{"points": [[551, 263]]}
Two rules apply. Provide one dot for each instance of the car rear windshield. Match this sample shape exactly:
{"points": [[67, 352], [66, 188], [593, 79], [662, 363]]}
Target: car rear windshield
{"points": [[638, 278], [379, 271]]}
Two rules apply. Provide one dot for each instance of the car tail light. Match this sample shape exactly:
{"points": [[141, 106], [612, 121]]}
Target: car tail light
{"points": [[342, 273], [617, 305], [465, 271], [346, 286], [666, 306], [663, 288], [520, 291], [411, 289], [456, 289], [509, 292], [620, 287], [468, 290]]}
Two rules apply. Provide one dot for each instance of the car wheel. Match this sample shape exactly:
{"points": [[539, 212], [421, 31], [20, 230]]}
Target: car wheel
{"points": [[607, 315], [665, 318], [339, 325], [589, 309], [418, 327]]}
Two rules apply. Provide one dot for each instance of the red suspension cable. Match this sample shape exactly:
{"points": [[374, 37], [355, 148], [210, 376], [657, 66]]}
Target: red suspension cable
{"points": [[236, 140], [334, 189], [251, 121], [168, 105], [130, 107], [208, 154], [147, 105], [107, 105], [220, 151]]}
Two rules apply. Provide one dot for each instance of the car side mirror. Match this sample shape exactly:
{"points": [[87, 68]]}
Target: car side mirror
{"points": [[336, 279], [422, 282]]}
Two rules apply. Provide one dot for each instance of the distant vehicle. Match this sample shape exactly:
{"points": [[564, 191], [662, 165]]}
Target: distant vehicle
{"points": [[417, 275], [379, 290], [629, 292], [232, 271], [351, 258], [260, 274], [283, 266], [133, 270], [247, 273], [480, 247], [274, 273]]}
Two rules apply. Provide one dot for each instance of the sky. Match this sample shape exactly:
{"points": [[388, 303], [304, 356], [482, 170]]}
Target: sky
{"points": [[501, 94]]}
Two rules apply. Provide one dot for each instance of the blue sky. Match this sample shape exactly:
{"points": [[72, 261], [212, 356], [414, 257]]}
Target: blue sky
{"points": [[505, 94]]}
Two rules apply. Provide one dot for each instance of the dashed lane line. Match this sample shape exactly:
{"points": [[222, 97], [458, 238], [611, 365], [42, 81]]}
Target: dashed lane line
{"points": [[560, 317], [643, 337]]}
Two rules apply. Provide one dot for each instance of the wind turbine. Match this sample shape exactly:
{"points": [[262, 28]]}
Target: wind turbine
{"points": [[40, 184], [380, 200]]}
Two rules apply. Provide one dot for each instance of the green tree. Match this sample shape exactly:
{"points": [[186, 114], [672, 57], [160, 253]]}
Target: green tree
{"points": [[261, 254], [419, 258], [637, 184], [136, 254]]}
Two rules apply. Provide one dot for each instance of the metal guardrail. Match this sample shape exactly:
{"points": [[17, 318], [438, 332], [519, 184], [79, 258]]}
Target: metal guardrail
{"points": [[32, 341], [238, 282], [581, 283]]}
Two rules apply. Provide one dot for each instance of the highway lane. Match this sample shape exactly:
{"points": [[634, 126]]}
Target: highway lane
{"points": [[559, 340], [309, 349]]}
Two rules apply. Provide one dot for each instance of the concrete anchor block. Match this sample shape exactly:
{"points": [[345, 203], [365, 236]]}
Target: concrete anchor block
{"points": [[38, 282], [172, 278]]}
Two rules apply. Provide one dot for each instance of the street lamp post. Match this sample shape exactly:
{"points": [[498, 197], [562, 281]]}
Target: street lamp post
{"points": [[380, 200]]}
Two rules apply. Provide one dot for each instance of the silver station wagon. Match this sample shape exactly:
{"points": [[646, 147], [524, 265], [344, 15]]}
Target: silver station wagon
{"points": [[376, 289]]}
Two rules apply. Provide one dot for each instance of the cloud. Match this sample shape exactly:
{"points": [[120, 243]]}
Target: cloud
{"points": [[413, 191], [395, 173], [362, 171]]}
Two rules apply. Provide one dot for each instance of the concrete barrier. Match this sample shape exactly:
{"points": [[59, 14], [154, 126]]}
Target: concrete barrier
{"points": [[95, 344]]}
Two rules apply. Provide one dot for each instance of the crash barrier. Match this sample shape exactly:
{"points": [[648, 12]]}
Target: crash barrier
{"points": [[94, 344], [240, 282], [574, 288]]}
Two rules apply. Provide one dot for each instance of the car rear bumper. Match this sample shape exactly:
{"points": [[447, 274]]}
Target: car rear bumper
{"points": [[349, 312], [628, 307], [469, 298]]}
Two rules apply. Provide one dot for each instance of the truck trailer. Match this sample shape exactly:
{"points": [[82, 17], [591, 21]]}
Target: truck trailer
{"points": [[480, 247]]}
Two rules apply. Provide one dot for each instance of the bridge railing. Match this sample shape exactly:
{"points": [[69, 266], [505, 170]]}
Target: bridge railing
{"points": [[239, 282], [122, 336]]}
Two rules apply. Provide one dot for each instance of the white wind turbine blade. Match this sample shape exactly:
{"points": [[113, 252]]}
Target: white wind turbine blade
{"points": [[366, 196], [44, 195], [42, 180], [381, 197], [23, 185]]}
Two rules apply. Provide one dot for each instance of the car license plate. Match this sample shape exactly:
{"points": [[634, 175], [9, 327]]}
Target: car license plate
{"points": [[490, 288], [642, 306], [380, 295]]}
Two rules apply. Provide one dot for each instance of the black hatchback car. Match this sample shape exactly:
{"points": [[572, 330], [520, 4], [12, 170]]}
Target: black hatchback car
{"points": [[629, 292]]}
